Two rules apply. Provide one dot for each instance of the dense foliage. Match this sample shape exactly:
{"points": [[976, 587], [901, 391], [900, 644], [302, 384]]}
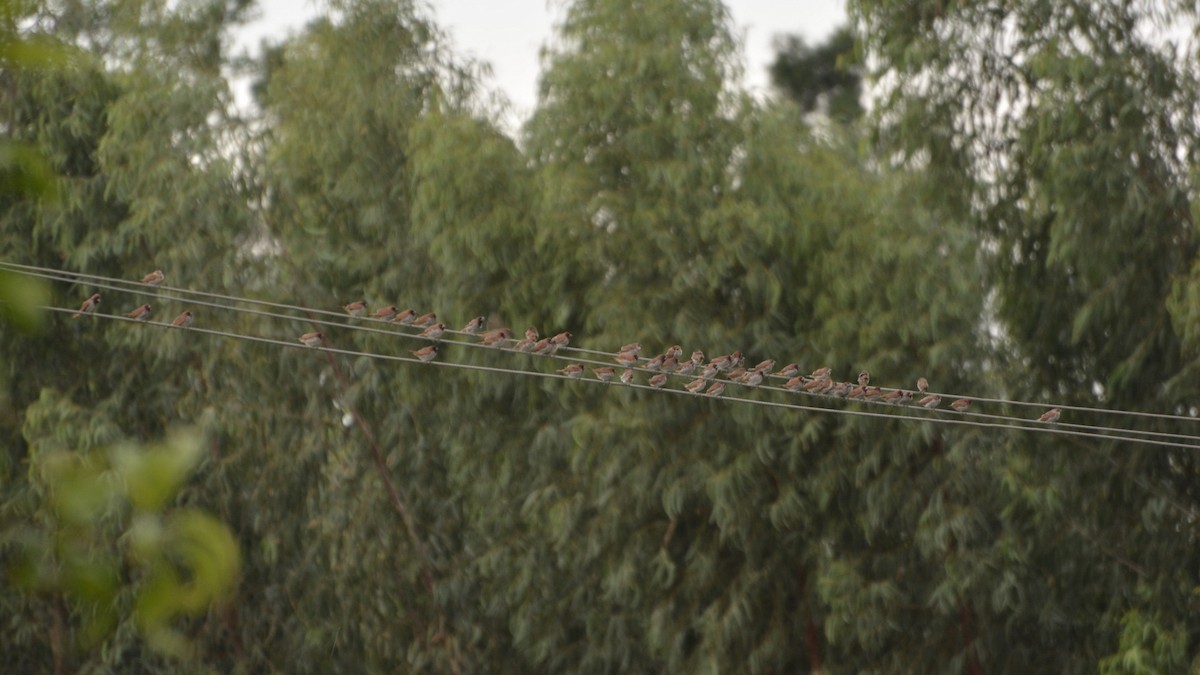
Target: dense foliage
{"points": [[1013, 220]]}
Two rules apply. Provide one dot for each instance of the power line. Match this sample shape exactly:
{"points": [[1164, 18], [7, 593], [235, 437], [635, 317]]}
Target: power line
{"points": [[362, 324], [940, 418]]}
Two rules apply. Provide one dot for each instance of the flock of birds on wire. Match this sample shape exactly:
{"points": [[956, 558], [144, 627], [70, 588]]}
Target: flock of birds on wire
{"points": [[706, 376]]}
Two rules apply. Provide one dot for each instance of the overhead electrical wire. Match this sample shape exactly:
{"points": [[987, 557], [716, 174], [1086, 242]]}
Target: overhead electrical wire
{"points": [[363, 324]]}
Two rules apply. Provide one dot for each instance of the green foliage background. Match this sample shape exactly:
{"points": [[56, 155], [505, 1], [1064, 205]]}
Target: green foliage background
{"points": [[1013, 219]]}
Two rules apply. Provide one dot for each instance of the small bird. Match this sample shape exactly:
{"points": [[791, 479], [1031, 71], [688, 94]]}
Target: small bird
{"points": [[737, 360], [658, 380], [893, 396], [312, 339], [531, 334], [572, 370], [696, 385], [142, 313], [858, 391], [673, 352], [685, 368], [405, 318], [930, 401], [635, 347], [922, 384], [821, 373], [1050, 416], [627, 376], [669, 364], [626, 359], [356, 308], [697, 357], [184, 320], [716, 389], [425, 320], [961, 405], [561, 340], [722, 363], [385, 313], [864, 378], [816, 385], [88, 306], [753, 378], [795, 383], [872, 393], [604, 373], [496, 338], [426, 354], [789, 371], [764, 366], [525, 345], [474, 325], [542, 347], [841, 389], [433, 332], [654, 363], [710, 371], [735, 374], [154, 278]]}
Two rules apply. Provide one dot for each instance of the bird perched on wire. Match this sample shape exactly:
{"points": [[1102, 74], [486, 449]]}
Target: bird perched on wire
{"points": [[697, 357], [822, 373], [405, 318], [531, 334], [627, 359], [433, 332], [356, 308], [141, 313], [424, 320], [572, 370], [922, 384], [561, 340], [685, 368], [474, 325], [154, 278], [604, 373], [497, 337], [764, 366], [673, 352], [635, 347], [696, 385], [654, 363], [789, 371], [385, 313], [426, 354], [1050, 416], [864, 378], [795, 383], [716, 389], [627, 376], [658, 380], [930, 401], [961, 405], [89, 306], [542, 347], [312, 339], [184, 320], [753, 378]]}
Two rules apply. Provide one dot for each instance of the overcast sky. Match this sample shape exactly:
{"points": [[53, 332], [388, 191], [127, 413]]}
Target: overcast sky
{"points": [[508, 33]]}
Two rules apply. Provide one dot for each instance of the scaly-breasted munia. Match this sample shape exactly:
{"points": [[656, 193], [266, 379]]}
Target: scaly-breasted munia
{"points": [[789, 371], [88, 306], [184, 320], [433, 332], [427, 319], [626, 359], [795, 383], [716, 389], [627, 376], [685, 368], [356, 308], [141, 313], [474, 325], [405, 318], [961, 405], [497, 337], [696, 386], [572, 370], [822, 373], [1050, 416], [922, 384], [864, 378], [426, 354], [531, 334], [312, 339], [635, 347], [753, 378], [154, 278], [930, 401], [673, 352], [604, 373], [658, 380], [654, 363], [561, 340], [385, 313], [764, 366], [542, 347], [872, 394], [697, 357]]}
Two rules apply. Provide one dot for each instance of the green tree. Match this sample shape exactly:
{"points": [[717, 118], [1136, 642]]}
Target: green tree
{"points": [[808, 74], [1062, 131]]}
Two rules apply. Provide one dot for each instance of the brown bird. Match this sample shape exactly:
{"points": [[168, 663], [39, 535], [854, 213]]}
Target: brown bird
{"points": [[864, 378], [695, 386], [88, 306], [716, 389], [405, 318], [154, 278], [531, 333], [658, 380], [604, 373], [356, 308], [722, 363], [789, 371], [635, 347], [142, 313], [433, 332], [822, 373], [930, 401], [796, 383], [626, 359], [572, 370], [496, 338], [312, 339], [1050, 416], [426, 354], [184, 320], [627, 376], [673, 352], [961, 405], [894, 397], [735, 374], [697, 357], [922, 384], [710, 371], [841, 389], [858, 391], [542, 347], [561, 340], [872, 393], [425, 320], [684, 368], [385, 313], [753, 378], [654, 363], [474, 325], [764, 366], [525, 345]]}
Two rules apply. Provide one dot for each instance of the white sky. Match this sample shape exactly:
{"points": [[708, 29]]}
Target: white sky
{"points": [[509, 33]]}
